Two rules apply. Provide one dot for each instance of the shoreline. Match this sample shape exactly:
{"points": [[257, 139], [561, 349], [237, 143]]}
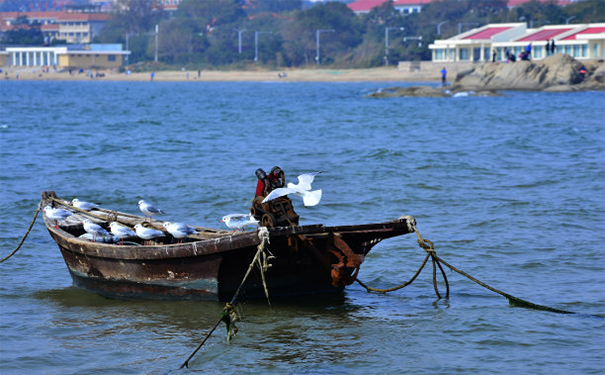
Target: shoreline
{"points": [[288, 75]]}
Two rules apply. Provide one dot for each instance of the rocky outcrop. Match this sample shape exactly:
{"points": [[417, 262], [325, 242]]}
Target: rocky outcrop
{"points": [[415, 91], [555, 73]]}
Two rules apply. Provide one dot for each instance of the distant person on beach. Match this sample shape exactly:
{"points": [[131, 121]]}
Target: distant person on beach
{"points": [[547, 47], [582, 73], [494, 56], [152, 75], [443, 76]]}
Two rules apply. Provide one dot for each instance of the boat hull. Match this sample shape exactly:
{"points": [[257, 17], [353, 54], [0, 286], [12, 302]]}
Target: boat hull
{"points": [[298, 260]]}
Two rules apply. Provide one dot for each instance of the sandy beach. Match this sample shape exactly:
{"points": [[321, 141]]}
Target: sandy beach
{"points": [[293, 75]]}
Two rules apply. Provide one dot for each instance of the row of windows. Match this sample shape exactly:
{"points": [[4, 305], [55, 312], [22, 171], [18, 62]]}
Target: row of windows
{"points": [[464, 54], [109, 57]]}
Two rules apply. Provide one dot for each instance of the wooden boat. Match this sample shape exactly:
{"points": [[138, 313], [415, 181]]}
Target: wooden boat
{"points": [[211, 264]]}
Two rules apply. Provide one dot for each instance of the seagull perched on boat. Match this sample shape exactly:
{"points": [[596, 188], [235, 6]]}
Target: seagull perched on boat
{"points": [[147, 233], [179, 230], [94, 229], [56, 214], [120, 231], [239, 221], [82, 205], [148, 209], [302, 189]]}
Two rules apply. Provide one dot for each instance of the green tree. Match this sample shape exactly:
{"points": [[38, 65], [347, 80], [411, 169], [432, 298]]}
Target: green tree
{"points": [[24, 33], [587, 11], [252, 7], [300, 36]]}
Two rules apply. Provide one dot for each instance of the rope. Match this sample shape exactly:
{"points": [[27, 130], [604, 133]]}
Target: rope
{"points": [[512, 300], [370, 289], [228, 312], [25, 235], [428, 246]]}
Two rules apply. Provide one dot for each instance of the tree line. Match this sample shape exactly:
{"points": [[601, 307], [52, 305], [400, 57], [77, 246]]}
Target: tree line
{"points": [[287, 33]]}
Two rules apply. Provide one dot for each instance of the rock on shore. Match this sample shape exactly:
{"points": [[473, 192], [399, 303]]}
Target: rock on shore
{"points": [[559, 72]]}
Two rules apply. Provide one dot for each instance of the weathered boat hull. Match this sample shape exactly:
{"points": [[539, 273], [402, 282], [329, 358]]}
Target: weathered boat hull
{"points": [[307, 258]]}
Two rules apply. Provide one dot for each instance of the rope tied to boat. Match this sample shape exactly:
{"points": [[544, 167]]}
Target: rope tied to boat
{"points": [[229, 317], [31, 225], [228, 314], [429, 247]]}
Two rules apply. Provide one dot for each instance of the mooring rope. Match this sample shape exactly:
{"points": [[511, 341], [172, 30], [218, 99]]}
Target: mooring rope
{"points": [[428, 246], [31, 225], [228, 315]]}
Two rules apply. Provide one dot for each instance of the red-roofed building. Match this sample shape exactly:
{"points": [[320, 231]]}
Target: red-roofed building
{"points": [[516, 3], [475, 45], [584, 41], [364, 6], [73, 27], [404, 6]]}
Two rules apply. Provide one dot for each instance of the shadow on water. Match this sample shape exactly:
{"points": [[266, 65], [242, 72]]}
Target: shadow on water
{"points": [[189, 315]]}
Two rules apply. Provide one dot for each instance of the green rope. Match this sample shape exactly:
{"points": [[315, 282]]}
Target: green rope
{"points": [[228, 315], [512, 300], [428, 246]]}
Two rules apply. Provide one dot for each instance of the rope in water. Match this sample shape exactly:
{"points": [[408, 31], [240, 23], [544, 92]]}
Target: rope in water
{"points": [[428, 246], [31, 225], [228, 314]]}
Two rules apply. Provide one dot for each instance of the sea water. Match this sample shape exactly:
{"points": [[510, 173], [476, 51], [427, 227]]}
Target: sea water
{"points": [[510, 189]]}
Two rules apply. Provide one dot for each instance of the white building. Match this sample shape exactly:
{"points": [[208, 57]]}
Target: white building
{"points": [[581, 41]]}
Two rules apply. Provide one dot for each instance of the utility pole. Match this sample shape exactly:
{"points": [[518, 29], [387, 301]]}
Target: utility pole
{"points": [[156, 41], [386, 43], [439, 26], [256, 43], [317, 34], [239, 39]]}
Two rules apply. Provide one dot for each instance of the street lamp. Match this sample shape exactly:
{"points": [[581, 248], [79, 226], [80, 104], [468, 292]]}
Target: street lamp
{"points": [[156, 42], [256, 43], [386, 42], [317, 33], [439, 26], [239, 39], [567, 19]]}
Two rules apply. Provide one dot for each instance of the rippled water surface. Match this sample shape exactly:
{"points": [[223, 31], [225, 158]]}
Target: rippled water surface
{"points": [[510, 189]]}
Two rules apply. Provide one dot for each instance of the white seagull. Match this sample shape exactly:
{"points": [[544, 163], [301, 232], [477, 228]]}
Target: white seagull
{"points": [[239, 221], [86, 206], [120, 231], [94, 229], [179, 230], [148, 209], [56, 214], [147, 233], [302, 189]]}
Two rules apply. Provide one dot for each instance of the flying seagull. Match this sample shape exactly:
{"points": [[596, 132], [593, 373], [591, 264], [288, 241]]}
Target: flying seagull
{"points": [[302, 189]]}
